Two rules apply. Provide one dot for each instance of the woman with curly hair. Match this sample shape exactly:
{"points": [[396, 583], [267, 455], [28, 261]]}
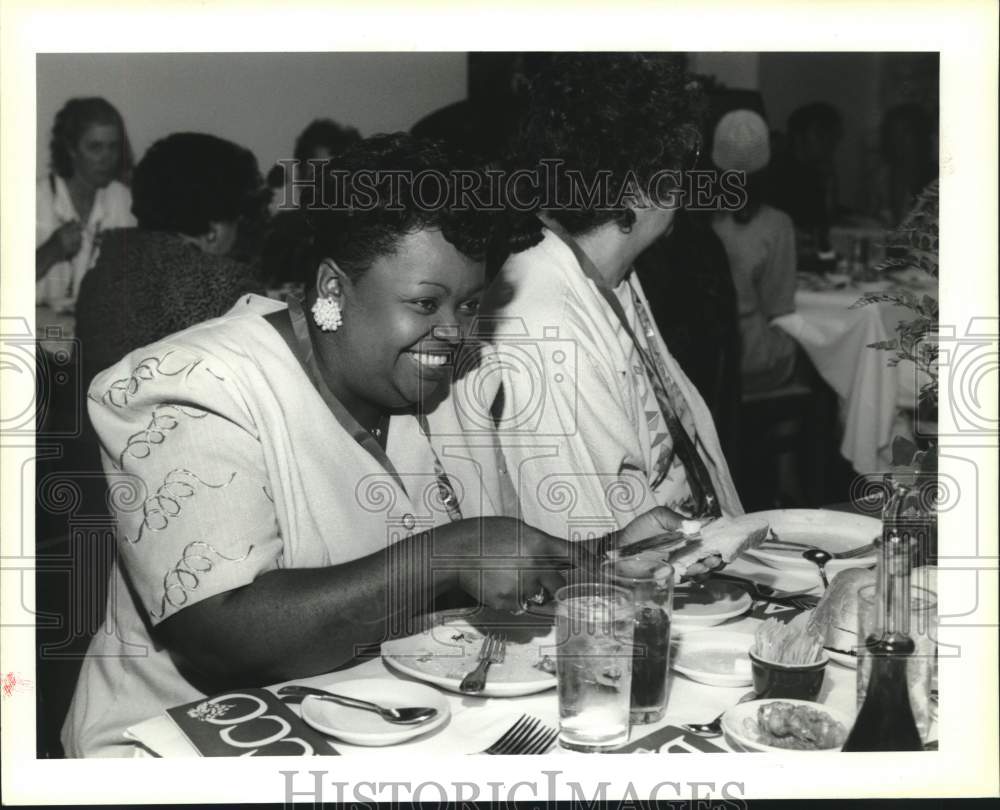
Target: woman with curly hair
{"points": [[83, 195], [190, 193], [598, 417], [297, 492]]}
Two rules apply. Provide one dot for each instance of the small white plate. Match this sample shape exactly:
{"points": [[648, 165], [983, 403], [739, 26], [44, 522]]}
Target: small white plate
{"points": [[734, 726], [729, 649], [823, 528], [361, 727], [713, 604]]}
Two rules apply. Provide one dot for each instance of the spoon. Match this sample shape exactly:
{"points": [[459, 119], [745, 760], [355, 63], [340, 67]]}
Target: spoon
{"points": [[714, 728], [821, 558], [406, 715]]}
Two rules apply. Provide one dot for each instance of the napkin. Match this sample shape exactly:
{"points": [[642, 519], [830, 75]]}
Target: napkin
{"points": [[247, 722]]}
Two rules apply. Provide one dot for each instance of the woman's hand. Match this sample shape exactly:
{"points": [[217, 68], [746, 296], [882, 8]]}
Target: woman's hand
{"points": [[63, 244], [521, 564], [68, 238], [657, 520]]}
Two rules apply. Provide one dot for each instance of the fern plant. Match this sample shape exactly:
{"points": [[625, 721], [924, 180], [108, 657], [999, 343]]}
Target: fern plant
{"points": [[914, 244]]}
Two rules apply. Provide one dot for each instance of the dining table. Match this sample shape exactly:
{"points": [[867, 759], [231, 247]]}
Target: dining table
{"points": [[877, 400], [476, 722]]}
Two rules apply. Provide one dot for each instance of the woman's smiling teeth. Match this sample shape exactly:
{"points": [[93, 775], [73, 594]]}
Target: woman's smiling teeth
{"points": [[426, 359]]}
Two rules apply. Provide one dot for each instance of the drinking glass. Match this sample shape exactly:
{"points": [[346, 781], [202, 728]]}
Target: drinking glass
{"points": [[651, 583], [593, 665], [923, 661]]}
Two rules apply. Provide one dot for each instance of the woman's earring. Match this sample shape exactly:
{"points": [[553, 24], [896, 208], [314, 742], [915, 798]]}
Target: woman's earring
{"points": [[326, 313]]}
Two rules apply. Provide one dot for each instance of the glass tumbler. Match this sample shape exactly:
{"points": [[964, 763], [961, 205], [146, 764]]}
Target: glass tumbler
{"points": [[651, 583], [593, 665]]}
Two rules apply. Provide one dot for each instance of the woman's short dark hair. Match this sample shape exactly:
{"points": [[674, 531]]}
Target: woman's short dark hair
{"points": [[189, 180], [327, 134], [75, 117], [626, 114], [381, 198]]}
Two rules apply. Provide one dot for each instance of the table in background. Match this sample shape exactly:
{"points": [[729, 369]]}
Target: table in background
{"points": [[872, 393]]}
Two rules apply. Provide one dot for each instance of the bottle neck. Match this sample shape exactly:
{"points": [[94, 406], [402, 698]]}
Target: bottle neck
{"points": [[893, 592]]}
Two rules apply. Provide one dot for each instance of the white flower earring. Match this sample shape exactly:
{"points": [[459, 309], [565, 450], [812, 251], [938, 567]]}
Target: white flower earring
{"points": [[326, 313]]}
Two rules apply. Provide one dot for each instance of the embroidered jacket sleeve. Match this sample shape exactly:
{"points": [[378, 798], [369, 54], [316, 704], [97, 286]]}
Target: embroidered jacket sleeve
{"points": [[189, 487]]}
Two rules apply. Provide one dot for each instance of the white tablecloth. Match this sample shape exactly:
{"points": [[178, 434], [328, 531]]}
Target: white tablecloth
{"points": [[476, 722], [871, 393]]}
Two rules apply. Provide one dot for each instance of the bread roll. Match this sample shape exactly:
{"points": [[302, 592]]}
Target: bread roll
{"points": [[836, 615]]}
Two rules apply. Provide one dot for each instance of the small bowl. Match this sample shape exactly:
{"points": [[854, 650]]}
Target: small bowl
{"points": [[734, 727], [788, 681]]}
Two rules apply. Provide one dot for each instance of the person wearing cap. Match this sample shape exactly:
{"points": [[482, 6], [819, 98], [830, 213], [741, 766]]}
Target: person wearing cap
{"points": [[760, 245]]}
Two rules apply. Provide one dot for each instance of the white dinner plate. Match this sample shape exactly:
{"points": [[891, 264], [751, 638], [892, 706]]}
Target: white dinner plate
{"points": [[709, 605], [823, 528], [714, 657], [362, 727], [448, 651], [738, 724]]}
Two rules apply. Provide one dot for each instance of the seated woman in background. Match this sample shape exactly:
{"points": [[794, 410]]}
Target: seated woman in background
{"points": [[323, 139], [908, 152], [284, 264], [83, 195], [174, 270], [760, 245], [598, 421], [296, 489]]}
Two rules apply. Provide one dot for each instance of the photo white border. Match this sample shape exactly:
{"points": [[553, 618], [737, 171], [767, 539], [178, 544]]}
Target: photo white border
{"points": [[964, 33]]}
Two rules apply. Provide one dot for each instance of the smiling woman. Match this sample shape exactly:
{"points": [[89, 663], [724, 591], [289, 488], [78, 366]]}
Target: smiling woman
{"points": [[83, 195], [293, 489]]}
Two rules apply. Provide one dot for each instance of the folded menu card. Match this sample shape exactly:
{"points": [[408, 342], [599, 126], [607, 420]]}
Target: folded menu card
{"points": [[247, 722], [670, 740]]}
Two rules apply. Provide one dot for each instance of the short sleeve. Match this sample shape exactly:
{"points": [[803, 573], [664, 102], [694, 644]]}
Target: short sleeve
{"points": [[120, 207], [187, 479]]}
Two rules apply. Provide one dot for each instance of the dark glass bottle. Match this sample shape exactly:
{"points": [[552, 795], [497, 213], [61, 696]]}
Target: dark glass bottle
{"points": [[885, 721]]}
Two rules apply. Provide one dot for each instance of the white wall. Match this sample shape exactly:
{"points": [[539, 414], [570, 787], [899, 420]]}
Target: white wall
{"points": [[261, 100]]}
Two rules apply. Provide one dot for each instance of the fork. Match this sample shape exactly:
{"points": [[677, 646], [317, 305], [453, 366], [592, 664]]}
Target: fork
{"points": [[777, 544], [493, 651], [765, 593], [526, 736]]}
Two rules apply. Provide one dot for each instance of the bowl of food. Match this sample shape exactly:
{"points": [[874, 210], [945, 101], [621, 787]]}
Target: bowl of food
{"points": [[787, 659], [781, 726]]}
